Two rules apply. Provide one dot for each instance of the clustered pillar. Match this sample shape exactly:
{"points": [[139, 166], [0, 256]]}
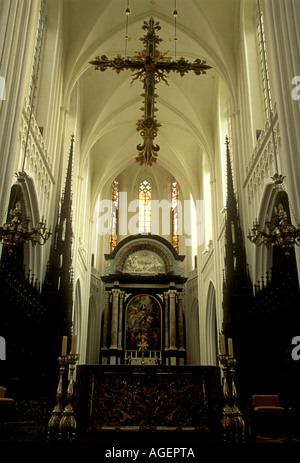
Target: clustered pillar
{"points": [[174, 327]]}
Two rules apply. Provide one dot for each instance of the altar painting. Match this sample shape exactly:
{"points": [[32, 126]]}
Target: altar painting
{"points": [[143, 324]]}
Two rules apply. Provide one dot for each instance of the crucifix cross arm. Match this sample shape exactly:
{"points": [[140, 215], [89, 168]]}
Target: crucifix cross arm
{"points": [[118, 64], [183, 66], [150, 66]]}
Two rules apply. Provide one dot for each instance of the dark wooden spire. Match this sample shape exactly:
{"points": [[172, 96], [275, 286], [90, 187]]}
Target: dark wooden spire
{"points": [[58, 284], [236, 285]]}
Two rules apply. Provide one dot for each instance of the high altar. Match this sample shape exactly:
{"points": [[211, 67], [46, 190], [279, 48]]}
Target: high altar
{"points": [[142, 381]]}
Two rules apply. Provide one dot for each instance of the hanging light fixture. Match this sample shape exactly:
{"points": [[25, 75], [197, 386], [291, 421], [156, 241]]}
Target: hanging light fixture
{"points": [[127, 12], [15, 231], [175, 14], [278, 231]]}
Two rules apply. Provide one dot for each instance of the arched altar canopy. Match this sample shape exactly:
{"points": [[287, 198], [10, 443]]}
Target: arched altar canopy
{"points": [[144, 257]]}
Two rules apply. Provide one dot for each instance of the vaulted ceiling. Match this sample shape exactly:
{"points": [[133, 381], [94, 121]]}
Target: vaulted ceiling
{"points": [[110, 106]]}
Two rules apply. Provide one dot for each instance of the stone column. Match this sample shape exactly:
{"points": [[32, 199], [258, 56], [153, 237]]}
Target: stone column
{"points": [[180, 321], [106, 317], [282, 33], [181, 325], [172, 301], [114, 319], [106, 322], [120, 331], [166, 296], [18, 24]]}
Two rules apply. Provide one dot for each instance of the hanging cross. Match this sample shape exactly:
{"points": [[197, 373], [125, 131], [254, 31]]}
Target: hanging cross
{"points": [[151, 67]]}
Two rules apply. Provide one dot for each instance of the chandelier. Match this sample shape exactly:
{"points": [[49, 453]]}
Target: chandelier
{"points": [[16, 232], [278, 231]]}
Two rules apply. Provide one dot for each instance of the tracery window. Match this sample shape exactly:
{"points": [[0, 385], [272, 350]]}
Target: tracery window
{"points": [[114, 215], [175, 214], [264, 63], [38, 50], [145, 207]]}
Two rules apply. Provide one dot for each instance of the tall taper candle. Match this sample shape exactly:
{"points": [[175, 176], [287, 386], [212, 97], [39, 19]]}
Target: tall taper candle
{"points": [[74, 344], [64, 346], [222, 342], [230, 347]]}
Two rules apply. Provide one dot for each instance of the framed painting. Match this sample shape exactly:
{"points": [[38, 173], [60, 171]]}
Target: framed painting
{"points": [[143, 324]]}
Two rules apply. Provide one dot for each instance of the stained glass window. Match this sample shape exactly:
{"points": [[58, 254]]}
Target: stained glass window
{"points": [[145, 207], [114, 215], [175, 215]]}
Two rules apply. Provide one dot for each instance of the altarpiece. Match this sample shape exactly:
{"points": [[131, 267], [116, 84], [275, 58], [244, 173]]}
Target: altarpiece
{"points": [[143, 319]]}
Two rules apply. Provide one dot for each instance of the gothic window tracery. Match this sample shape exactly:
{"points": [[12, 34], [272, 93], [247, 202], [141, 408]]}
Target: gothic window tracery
{"points": [[264, 64], [114, 215], [175, 214], [38, 50], [145, 207]]}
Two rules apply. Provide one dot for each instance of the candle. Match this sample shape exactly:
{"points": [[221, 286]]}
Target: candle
{"points": [[222, 342], [64, 346], [230, 347], [74, 344]]}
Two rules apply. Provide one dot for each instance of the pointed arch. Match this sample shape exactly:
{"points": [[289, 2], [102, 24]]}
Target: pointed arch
{"points": [[23, 196], [264, 255]]}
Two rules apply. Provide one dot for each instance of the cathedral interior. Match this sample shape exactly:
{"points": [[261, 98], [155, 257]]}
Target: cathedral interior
{"points": [[150, 216]]}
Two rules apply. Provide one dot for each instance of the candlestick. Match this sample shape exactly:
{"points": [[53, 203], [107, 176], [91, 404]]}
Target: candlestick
{"points": [[56, 414], [67, 425], [232, 421]]}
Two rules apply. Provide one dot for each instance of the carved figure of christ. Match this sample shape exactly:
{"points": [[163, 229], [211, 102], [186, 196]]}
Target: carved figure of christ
{"points": [[151, 67]]}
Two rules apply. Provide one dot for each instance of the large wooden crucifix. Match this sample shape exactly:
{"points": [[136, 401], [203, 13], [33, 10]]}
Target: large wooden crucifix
{"points": [[151, 67]]}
